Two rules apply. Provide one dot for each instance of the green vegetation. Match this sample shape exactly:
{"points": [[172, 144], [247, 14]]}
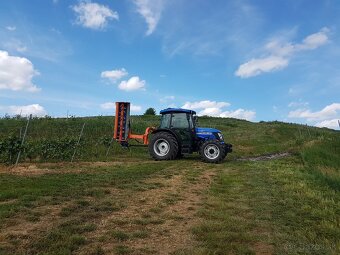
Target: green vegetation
{"points": [[54, 140], [133, 205], [269, 207]]}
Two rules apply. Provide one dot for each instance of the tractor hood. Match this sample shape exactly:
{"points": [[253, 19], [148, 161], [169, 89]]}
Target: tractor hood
{"points": [[207, 133], [207, 130]]}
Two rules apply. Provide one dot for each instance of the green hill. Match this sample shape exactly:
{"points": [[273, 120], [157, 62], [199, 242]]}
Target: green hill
{"points": [[119, 201], [54, 139]]}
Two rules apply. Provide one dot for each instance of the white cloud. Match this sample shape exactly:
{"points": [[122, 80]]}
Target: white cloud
{"points": [[205, 104], [210, 111], [330, 111], [135, 108], [114, 75], [261, 65], [134, 83], [151, 10], [311, 42], [11, 28], [93, 15], [24, 110], [215, 109], [279, 54], [314, 41], [16, 73], [334, 124], [326, 117], [108, 106], [112, 106], [239, 114]]}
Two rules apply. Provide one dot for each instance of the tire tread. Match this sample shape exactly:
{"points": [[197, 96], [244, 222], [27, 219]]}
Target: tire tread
{"points": [[220, 157], [172, 142]]}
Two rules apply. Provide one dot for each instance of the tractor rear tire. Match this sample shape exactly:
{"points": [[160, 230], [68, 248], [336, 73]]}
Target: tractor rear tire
{"points": [[163, 146], [212, 151]]}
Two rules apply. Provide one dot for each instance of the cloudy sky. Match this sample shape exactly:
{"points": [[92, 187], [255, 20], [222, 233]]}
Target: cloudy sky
{"points": [[255, 60]]}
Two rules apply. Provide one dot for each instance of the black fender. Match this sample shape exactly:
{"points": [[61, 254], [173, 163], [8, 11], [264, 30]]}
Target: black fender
{"points": [[178, 138]]}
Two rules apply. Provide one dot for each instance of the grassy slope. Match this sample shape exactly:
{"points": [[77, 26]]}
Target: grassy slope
{"points": [[249, 138], [286, 206]]}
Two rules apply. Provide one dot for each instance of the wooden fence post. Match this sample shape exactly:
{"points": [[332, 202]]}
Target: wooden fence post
{"points": [[107, 152], [23, 139], [75, 148]]}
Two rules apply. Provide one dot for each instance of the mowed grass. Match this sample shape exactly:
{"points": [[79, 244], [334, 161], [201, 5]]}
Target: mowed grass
{"points": [[78, 200], [269, 207], [265, 207], [283, 206]]}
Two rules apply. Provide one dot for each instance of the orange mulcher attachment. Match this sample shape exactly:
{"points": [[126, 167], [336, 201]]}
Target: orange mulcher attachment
{"points": [[122, 132]]}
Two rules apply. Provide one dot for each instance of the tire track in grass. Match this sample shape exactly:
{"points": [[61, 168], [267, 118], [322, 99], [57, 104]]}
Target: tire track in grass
{"points": [[156, 220], [230, 224], [269, 207]]}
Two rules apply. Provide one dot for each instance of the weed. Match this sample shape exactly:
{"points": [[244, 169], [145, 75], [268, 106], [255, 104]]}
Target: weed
{"points": [[148, 221], [120, 235], [140, 234], [123, 249], [97, 251]]}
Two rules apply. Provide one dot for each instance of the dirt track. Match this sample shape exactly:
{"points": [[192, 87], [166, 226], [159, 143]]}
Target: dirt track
{"points": [[266, 157]]}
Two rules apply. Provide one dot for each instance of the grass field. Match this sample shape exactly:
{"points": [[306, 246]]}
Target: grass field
{"points": [[127, 203]]}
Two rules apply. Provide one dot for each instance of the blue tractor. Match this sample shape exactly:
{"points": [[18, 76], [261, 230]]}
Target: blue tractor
{"points": [[176, 135]]}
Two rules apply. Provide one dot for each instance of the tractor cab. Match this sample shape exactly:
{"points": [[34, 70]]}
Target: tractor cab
{"points": [[178, 118], [182, 124]]}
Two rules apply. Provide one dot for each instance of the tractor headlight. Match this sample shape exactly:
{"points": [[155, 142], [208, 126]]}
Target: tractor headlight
{"points": [[220, 136]]}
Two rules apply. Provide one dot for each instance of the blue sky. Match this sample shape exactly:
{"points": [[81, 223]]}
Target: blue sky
{"points": [[255, 60]]}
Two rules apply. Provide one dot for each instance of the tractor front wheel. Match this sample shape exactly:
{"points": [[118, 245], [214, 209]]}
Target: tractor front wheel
{"points": [[212, 151], [163, 146]]}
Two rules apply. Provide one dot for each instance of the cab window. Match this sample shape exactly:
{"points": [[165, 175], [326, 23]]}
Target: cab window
{"points": [[165, 121], [179, 120]]}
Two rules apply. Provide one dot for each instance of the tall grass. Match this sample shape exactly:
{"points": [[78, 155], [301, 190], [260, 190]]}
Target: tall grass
{"points": [[322, 158]]}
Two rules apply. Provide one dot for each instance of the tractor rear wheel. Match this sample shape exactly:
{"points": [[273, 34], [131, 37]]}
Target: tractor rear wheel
{"points": [[212, 151], [163, 146]]}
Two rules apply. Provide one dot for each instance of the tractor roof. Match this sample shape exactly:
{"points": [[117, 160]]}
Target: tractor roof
{"points": [[172, 110]]}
